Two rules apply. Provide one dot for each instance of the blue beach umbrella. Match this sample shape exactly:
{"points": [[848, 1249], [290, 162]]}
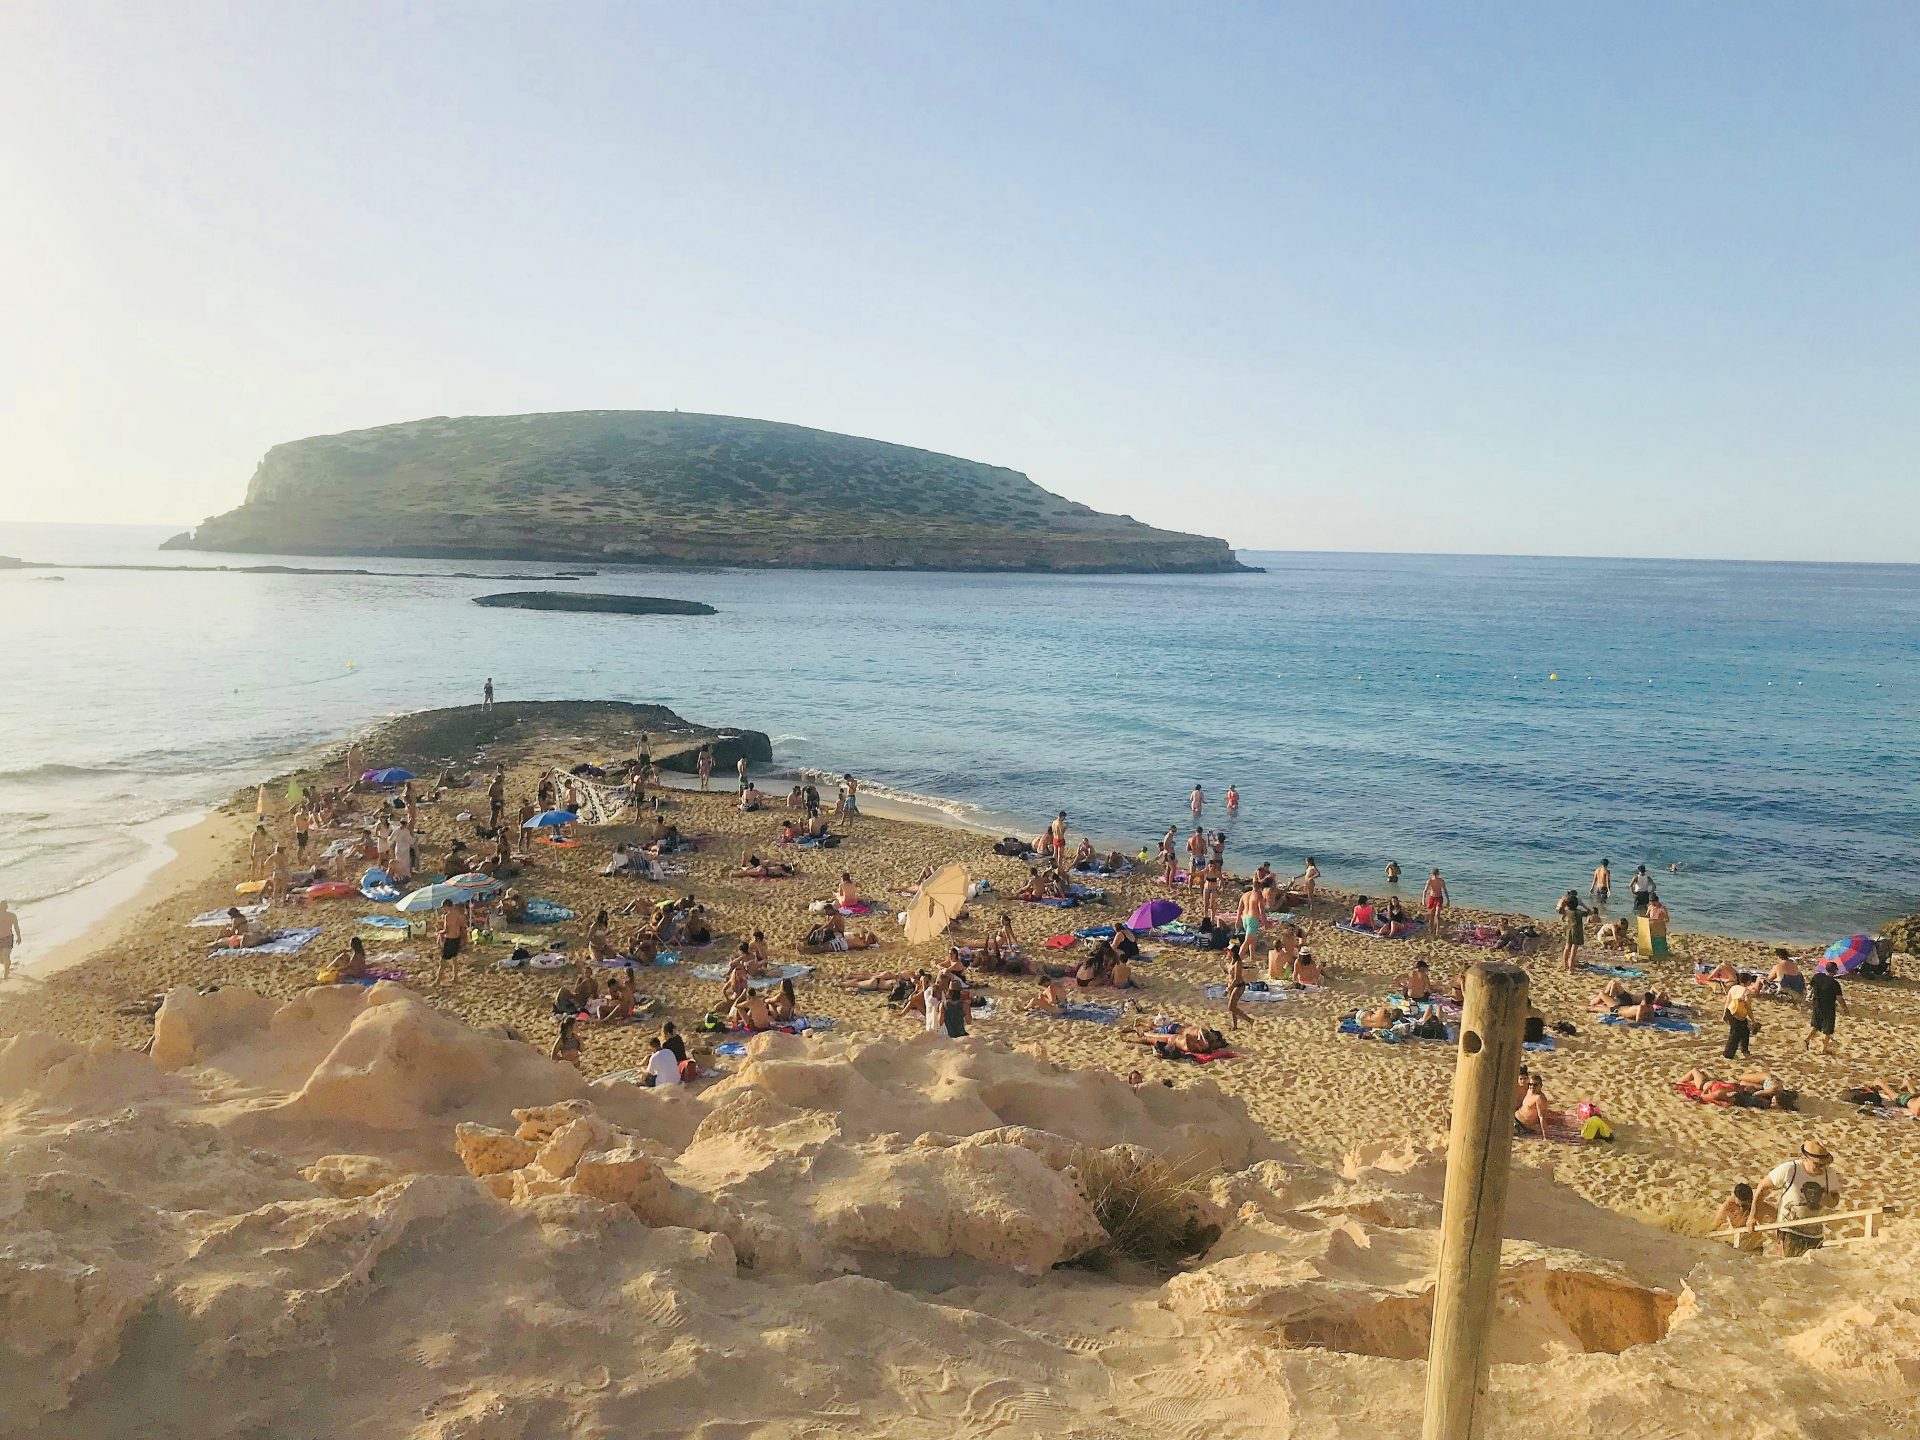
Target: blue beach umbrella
{"points": [[393, 776], [550, 820]]}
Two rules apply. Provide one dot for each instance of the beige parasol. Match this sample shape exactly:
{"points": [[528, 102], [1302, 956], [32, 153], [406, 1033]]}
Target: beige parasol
{"points": [[939, 900]]}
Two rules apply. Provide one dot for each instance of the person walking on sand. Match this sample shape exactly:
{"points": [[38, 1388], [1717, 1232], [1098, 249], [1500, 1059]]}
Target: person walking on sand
{"points": [[1236, 980], [1576, 917], [10, 936], [497, 796], [1233, 801], [259, 846], [453, 931], [279, 876], [1253, 912], [486, 694], [704, 764], [1309, 883], [1739, 1017], [1823, 989], [740, 771], [1197, 801], [1602, 885], [1436, 901], [1814, 1163]]}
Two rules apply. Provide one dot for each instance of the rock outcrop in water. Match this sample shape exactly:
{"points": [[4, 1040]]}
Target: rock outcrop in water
{"points": [[592, 604], [352, 1215], [665, 488]]}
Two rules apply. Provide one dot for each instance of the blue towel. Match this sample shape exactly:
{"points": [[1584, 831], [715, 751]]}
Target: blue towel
{"points": [[1541, 1047], [1096, 932], [282, 942], [1054, 902], [1270, 995], [1660, 1022], [1399, 1035], [731, 1047], [790, 971], [813, 1024], [385, 922], [1086, 892], [1351, 928], [1091, 1013], [546, 912], [666, 957], [1188, 938], [1618, 972]]}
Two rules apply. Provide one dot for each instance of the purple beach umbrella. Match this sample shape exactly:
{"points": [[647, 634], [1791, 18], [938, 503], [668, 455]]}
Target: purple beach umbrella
{"points": [[1851, 953], [1153, 914]]}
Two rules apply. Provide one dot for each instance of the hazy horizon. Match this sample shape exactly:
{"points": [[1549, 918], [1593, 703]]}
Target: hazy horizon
{"points": [[1494, 280]]}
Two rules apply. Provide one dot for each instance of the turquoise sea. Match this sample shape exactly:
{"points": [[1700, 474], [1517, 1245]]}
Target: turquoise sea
{"points": [[1753, 723]]}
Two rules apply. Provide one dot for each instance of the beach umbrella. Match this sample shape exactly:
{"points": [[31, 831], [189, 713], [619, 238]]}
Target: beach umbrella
{"points": [[475, 884], [940, 899], [432, 897], [260, 801], [550, 819], [394, 776], [1153, 914], [1851, 953]]}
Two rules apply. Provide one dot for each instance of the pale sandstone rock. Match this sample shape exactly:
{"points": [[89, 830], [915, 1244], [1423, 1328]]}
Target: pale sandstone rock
{"points": [[348, 1177], [487, 1151], [190, 1025]]}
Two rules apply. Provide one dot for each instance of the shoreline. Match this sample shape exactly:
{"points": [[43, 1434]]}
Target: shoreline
{"points": [[182, 850]]}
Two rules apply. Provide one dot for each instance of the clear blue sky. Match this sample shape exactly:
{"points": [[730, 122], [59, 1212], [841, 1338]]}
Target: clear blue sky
{"points": [[1545, 278]]}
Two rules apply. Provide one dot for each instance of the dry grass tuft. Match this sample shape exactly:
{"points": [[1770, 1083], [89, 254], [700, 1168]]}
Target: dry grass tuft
{"points": [[1149, 1207]]}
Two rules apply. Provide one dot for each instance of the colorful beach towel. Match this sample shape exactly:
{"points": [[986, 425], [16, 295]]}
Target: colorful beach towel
{"points": [[1562, 1129], [1054, 902], [1398, 1035], [731, 1048], [862, 909], [385, 922], [546, 912], [1618, 972], [1087, 892], [1095, 932], [281, 942]]}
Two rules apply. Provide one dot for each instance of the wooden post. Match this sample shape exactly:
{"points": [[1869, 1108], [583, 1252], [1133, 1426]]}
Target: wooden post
{"points": [[1479, 1149]]}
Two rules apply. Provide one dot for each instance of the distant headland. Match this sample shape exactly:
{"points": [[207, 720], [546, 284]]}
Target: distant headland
{"points": [[643, 487]]}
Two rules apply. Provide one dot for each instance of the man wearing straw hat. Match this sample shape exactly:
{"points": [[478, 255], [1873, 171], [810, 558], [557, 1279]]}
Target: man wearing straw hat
{"points": [[1813, 1164]]}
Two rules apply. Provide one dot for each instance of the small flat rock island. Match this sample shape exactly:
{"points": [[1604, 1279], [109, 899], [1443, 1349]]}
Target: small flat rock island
{"points": [[593, 604]]}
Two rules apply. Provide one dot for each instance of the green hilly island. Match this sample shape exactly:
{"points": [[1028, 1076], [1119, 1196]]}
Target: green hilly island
{"points": [[665, 488]]}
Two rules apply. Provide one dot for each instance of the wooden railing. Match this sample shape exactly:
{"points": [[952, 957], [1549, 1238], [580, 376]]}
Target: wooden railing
{"points": [[1869, 1229]]}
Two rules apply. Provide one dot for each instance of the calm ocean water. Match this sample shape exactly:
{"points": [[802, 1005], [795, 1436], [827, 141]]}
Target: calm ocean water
{"points": [[1755, 723]]}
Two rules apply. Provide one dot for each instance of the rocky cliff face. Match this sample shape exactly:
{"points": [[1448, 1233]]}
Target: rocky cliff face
{"points": [[649, 488]]}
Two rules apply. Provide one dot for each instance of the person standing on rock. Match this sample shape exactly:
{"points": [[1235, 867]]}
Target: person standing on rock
{"points": [[740, 769], [486, 694], [705, 765]]}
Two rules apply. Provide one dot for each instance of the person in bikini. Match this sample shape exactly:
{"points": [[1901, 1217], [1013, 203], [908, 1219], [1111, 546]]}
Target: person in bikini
{"points": [[1236, 982]]}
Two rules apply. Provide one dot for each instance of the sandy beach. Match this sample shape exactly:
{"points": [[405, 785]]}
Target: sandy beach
{"points": [[1324, 1092], [869, 1229]]}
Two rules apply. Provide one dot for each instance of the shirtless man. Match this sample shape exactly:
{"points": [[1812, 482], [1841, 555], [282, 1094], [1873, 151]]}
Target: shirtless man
{"points": [[1253, 913], [1435, 899], [497, 796], [453, 932], [9, 937], [1197, 801], [280, 878], [1196, 855], [1417, 984], [1057, 836], [1052, 995], [1534, 1113], [1602, 884]]}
